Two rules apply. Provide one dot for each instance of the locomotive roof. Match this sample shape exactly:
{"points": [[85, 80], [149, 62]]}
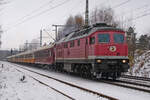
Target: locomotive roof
{"points": [[88, 31]]}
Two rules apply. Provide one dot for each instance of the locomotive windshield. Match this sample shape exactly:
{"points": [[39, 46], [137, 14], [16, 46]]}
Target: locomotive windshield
{"points": [[103, 38], [118, 38]]}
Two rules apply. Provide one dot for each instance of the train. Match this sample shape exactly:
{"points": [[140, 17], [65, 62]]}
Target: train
{"points": [[99, 51]]}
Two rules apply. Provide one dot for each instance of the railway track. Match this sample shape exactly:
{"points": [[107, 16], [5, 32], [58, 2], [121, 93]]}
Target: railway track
{"points": [[136, 77], [67, 83], [130, 85], [49, 86], [120, 83], [132, 82]]}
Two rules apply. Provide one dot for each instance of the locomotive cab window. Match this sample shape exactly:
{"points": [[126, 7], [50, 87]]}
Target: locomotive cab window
{"points": [[103, 38], [118, 38], [92, 40], [72, 44]]}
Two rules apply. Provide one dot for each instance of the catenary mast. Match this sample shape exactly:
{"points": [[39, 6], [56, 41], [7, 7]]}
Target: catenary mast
{"points": [[87, 14]]}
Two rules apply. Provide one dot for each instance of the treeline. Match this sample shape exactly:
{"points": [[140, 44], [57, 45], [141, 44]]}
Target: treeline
{"points": [[76, 22], [143, 42], [136, 45]]}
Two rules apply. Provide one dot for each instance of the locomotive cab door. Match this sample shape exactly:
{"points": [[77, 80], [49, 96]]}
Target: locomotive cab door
{"points": [[86, 48]]}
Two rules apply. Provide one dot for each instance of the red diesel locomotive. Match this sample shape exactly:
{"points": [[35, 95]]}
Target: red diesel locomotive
{"points": [[99, 51]]}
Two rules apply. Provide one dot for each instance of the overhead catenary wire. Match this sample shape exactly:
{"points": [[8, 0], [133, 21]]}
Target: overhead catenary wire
{"points": [[121, 4], [136, 9], [36, 10], [39, 14], [135, 18], [49, 34], [116, 6], [141, 16]]}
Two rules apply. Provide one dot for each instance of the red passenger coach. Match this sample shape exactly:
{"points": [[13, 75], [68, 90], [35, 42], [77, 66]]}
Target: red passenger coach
{"points": [[100, 51], [45, 55]]}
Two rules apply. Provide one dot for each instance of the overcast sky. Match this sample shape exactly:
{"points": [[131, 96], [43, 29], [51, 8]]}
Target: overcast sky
{"points": [[22, 19]]}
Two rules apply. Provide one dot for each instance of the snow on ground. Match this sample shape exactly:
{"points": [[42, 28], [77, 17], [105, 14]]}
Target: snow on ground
{"points": [[142, 65], [11, 88], [115, 91]]}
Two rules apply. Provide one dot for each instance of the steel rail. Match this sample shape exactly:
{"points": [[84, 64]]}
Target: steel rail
{"points": [[72, 85], [136, 77], [49, 86], [126, 86]]}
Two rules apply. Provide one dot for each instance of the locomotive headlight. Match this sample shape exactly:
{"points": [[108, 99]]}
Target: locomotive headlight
{"points": [[99, 61], [124, 61]]}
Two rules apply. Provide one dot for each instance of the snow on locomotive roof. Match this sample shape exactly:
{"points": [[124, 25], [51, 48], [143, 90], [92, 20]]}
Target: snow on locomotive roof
{"points": [[65, 38], [88, 31]]}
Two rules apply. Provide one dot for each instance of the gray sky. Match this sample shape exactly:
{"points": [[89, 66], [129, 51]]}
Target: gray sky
{"points": [[23, 19]]}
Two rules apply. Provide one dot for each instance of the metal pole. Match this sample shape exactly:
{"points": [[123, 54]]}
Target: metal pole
{"points": [[56, 32], [26, 45], [87, 14], [40, 38]]}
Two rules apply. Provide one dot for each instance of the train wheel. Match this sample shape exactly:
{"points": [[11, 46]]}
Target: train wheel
{"points": [[89, 75], [85, 71], [114, 75]]}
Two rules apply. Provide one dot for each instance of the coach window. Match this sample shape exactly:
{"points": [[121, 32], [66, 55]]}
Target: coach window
{"points": [[92, 40], [47, 52], [79, 42], [66, 45], [50, 53]]}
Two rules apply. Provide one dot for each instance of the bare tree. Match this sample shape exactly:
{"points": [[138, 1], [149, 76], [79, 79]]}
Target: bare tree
{"points": [[70, 21], [79, 21], [105, 15], [73, 23], [131, 41]]}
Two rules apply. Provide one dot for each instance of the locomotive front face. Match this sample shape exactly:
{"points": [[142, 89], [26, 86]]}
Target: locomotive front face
{"points": [[111, 44], [110, 52]]}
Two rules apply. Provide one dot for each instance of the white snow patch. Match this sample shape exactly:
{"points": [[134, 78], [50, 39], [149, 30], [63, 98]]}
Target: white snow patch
{"points": [[11, 88], [142, 65], [107, 89]]}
